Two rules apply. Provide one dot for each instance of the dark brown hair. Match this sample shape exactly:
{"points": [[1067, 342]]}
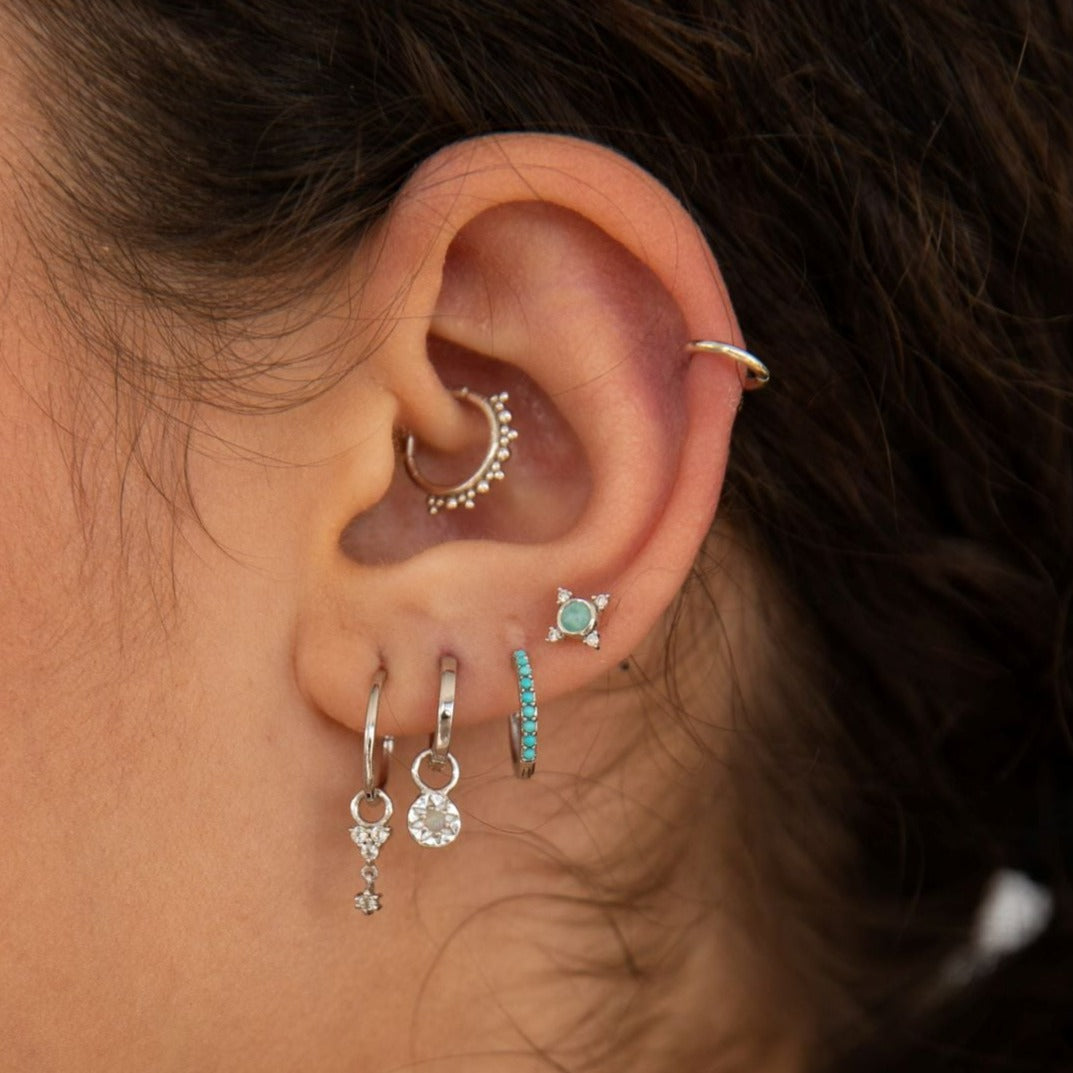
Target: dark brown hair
{"points": [[887, 186]]}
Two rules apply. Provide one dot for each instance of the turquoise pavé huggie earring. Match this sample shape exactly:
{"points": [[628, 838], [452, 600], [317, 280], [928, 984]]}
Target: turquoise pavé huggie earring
{"points": [[523, 722]]}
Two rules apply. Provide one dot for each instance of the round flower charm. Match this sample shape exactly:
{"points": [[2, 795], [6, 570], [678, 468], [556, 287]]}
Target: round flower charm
{"points": [[433, 819]]}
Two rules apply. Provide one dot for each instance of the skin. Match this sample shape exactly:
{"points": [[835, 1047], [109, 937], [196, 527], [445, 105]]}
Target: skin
{"points": [[184, 677]]}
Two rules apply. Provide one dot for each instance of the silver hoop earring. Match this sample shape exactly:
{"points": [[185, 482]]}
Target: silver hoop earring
{"points": [[500, 437], [370, 835], [434, 819], [754, 374]]}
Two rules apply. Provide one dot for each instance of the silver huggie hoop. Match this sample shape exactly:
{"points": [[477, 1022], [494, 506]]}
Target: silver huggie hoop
{"points": [[756, 373], [445, 711], [374, 780], [370, 835]]}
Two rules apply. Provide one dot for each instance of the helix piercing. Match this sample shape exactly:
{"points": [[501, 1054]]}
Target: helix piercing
{"points": [[500, 437], [370, 835], [755, 373], [434, 819], [578, 617], [523, 722]]}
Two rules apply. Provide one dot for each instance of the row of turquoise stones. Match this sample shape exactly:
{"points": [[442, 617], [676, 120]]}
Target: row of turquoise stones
{"points": [[528, 709]]}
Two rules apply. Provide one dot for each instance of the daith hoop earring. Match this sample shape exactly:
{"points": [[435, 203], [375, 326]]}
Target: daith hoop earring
{"points": [[434, 819], [754, 372], [500, 437], [370, 835]]}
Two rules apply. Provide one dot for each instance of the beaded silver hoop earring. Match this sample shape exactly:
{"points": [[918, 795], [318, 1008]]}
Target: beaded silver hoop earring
{"points": [[500, 437]]}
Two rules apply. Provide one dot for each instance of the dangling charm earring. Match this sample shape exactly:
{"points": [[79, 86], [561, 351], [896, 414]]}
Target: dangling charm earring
{"points": [[500, 437], [370, 835], [434, 819]]}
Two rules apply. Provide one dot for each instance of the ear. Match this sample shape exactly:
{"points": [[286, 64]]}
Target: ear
{"points": [[560, 272]]}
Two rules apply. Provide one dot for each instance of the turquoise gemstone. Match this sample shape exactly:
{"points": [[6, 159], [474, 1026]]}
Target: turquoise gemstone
{"points": [[529, 726], [528, 711], [525, 681], [528, 696], [529, 755], [529, 739], [577, 616]]}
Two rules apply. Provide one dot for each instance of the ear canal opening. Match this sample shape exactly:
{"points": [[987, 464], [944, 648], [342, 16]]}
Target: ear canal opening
{"points": [[545, 485]]}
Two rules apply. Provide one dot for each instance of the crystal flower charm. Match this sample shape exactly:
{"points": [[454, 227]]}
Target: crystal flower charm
{"points": [[578, 618]]}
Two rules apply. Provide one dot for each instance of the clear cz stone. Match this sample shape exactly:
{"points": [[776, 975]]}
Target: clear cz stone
{"points": [[368, 902]]}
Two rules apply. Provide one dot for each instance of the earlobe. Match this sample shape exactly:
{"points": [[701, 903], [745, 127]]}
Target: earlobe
{"points": [[558, 272]]}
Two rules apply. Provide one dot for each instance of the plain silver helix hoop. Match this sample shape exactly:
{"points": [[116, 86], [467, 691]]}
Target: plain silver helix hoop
{"points": [[434, 819], [500, 437], [370, 835], [754, 373]]}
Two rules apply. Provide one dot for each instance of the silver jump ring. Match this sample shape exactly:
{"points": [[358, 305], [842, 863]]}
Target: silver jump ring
{"points": [[373, 779], [377, 795], [756, 373], [445, 712], [500, 437], [415, 771]]}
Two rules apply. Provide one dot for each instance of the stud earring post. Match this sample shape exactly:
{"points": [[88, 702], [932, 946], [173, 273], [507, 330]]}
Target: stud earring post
{"points": [[523, 722]]}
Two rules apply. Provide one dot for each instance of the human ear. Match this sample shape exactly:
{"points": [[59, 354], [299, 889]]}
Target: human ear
{"points": [[558, 271]]}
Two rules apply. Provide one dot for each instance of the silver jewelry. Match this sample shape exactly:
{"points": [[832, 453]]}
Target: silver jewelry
{"points": [[370, 835], [755, 372], [578, 617], [434, 819], [500, 437]]}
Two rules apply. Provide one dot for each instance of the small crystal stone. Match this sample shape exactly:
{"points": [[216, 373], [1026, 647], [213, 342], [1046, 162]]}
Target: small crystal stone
{"points": [[554, 634], [368, 902], [592, 639]]}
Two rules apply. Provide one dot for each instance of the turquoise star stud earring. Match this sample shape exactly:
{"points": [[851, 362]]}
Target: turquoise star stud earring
{"points": [[579, 618]]}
